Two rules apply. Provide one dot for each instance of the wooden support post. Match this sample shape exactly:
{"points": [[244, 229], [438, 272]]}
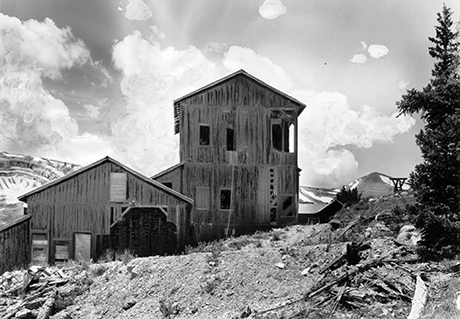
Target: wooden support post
{"points": [[398, 183]]}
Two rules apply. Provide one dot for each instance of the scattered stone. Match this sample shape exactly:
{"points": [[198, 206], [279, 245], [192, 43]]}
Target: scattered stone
{"points": [[335, 223], [280, 265], [246, 312], [305, 272], [129, 303], [25, 314]]}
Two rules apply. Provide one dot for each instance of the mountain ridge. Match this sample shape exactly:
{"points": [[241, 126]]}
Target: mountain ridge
{"points": [[21, 173]]}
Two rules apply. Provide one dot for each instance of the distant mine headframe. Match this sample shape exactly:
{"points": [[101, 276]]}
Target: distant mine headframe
{"points": [[398, 183]]}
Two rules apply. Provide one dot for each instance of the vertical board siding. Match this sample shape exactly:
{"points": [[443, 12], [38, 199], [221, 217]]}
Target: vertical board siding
{"points": [[15, 244], [239, 102], [82, 204]]}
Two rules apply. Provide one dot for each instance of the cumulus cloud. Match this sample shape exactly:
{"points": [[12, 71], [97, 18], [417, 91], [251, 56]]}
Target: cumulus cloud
{"points": [[272, 9], [40, 44], [329, 125], [30, 117], [261, 67], [377, 51], [137, 10], [364, 45], [140, 126], [217, 47], [359, 58]]}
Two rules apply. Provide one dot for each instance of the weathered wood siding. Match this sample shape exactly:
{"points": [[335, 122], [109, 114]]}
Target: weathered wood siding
{"points": [[243, 105], [82, 204], [145, 232], [174, 177], [250, 186], [258, 163], [15, 244]]}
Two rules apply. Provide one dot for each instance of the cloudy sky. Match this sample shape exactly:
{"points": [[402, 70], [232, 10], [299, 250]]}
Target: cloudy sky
{"points": [[82, 79]]}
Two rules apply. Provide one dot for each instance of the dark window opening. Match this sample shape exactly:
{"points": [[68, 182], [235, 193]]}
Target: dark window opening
{"points": [[277, 137], [225, 198], [204, 135], [168, 184], [230, 139], [273, 214], [112, 215]]}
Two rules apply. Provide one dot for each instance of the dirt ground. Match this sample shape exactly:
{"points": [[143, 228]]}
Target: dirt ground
{"points": [[299, 271]]}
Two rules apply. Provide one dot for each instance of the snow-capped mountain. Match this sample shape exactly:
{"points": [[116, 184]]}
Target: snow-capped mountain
{"points": [[312, 199], [22, 173], [374, 185]]}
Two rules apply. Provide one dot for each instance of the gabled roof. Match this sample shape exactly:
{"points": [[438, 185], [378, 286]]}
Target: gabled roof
{"points": [[243, 72], [111, 160], [168, 170], [226, 78]]}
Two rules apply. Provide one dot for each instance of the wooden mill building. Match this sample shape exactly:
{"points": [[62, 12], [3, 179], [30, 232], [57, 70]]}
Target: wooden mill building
{"points": [[105, 205], [238, 156]]}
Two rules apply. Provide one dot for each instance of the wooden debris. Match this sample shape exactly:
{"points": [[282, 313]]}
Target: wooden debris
{"points": [[37, 294], [419, 300]]}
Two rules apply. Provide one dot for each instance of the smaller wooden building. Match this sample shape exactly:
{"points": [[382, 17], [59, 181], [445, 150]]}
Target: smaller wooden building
{"points": [[15, 244], [105, 205]]}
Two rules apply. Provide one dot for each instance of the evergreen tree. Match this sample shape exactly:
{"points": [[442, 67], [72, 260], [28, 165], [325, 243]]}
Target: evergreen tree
{"points": [[436, 181]]}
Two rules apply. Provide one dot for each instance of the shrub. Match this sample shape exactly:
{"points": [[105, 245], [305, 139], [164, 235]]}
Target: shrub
{"points": [[440, 235], [348, 196]]}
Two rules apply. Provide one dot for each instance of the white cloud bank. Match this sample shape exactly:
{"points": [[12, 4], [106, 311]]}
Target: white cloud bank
{"points": [[272, 9], [261, 67], [377, 51], [30, 117], [329, 125], [141, 126], [32, 120], [137, 10], [359, 58]]}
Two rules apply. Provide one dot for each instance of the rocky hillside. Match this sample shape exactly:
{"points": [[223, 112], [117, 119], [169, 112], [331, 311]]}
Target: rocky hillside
{"points": [[363, 265], [22, 173]]}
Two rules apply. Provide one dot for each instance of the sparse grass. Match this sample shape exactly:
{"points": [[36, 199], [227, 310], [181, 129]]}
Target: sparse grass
{"points": [[205, 247], [277, 234], [124, 256], [213, 258], [168, 309], [243, 241], [97, 270], [211, 285]]}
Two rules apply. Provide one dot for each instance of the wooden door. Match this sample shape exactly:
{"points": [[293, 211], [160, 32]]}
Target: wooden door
{"points": [[82, 246]]}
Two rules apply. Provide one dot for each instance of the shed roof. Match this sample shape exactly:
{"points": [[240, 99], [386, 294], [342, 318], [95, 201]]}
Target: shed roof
{"points": [[14, 222], [102, 161], [227, 78]]}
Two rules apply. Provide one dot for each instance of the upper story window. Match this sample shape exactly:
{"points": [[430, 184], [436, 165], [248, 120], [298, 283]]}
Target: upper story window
{"points": [[205, 134], [118, 187], [230, 139], [280, 135]]}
